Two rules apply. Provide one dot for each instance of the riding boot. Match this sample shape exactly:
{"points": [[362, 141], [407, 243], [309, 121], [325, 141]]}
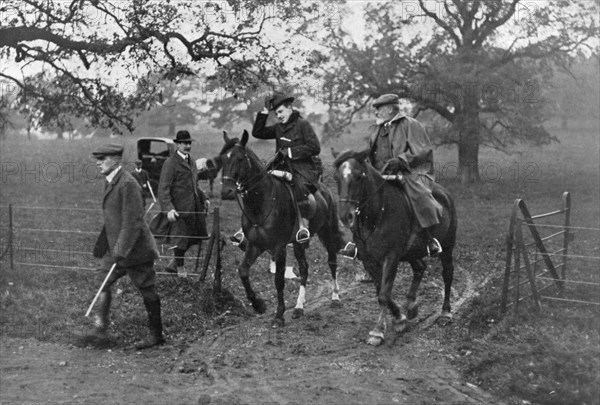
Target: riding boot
{"points": [[239, 239], [101, 316], [303, 234], [350, 251], [433, 245], [155, 337]]}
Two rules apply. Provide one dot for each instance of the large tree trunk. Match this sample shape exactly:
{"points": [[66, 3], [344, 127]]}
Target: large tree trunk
{"points": [[468, 147]]}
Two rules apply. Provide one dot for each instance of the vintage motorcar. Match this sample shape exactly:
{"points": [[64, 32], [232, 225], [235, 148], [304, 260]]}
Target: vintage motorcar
{"points": [[153, 151]]}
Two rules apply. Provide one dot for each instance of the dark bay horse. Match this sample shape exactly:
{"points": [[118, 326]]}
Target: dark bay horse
{"points": [[269, 222], [386, 232]]}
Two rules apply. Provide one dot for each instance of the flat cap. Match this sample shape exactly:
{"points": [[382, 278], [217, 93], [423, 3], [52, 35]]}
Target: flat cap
{"points": [[385, 100], [111, 149]]}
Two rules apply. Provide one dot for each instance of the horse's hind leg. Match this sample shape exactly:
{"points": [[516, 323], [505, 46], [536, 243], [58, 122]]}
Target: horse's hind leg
{"points": [[448, 276], [280, 255], [250, 257], [300, 255], [412, 304]]}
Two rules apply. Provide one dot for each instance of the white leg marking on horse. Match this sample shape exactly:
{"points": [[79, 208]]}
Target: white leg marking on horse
{"points": [[336, 290], [301, 298]]}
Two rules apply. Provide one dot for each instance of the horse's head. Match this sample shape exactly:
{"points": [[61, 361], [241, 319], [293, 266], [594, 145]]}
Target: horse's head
{"points": [[235, 165], [350, 175]]}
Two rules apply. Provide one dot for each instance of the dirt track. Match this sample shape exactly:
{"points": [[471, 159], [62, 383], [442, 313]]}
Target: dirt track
{"points": [[321, 358]]}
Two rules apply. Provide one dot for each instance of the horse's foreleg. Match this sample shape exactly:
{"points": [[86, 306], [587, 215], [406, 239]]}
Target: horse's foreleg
{"points": [[280, 255], [335, 288], [384, 297], [448, 275], [252, 253], [300, 255], [412, 304]]}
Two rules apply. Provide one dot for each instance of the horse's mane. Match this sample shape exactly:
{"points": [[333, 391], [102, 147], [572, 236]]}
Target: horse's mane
{"points": [[350, 154]]}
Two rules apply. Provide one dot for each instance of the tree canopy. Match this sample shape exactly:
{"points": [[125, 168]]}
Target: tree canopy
{"points": [[101, 57], [478, 65]]}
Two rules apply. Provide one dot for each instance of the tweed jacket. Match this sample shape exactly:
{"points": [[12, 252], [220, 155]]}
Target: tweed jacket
{"points": [[125, 236]]}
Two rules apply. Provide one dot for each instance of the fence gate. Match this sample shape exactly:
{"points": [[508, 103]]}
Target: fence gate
{"points": [[536, 261]]}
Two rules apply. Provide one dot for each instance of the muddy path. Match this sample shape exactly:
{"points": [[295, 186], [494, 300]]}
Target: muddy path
{"points": [[321, 358]]}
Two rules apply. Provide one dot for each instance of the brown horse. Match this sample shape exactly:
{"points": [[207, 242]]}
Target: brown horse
{"points": [[386, 232], [269, 223]]}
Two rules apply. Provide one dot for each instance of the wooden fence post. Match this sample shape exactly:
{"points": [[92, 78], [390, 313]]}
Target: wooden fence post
{"points": [[509, 252], [567, 208]]}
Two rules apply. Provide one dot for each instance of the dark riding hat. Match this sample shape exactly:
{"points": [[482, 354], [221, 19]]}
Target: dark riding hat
{"points": [[385, 100], [111, 149], [279, 99], [183, 136]]}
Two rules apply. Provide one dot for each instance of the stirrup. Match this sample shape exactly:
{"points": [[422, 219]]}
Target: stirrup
{"points": [[350, 251], [436, 248], [303, 235], [237, 238]]}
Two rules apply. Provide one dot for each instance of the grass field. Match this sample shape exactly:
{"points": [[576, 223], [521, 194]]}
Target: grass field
{"points": [[548, 357]]}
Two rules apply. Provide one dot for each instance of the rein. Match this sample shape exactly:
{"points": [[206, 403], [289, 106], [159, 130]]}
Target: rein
{"points": [[242, 192]]}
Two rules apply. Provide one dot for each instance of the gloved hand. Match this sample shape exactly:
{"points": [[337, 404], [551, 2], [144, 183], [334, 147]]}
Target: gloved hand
{"points": [[395, 165], [172, 215]]}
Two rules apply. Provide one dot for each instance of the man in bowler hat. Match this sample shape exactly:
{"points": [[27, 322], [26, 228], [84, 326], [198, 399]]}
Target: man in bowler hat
{"points": [[143, 179], [182, 201], [125, 240]]}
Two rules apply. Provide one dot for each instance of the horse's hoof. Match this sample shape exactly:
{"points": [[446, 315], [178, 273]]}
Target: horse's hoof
{"points": [[297, 313], [400, 324], [336, 304], [444, 319], [259, 306], [278, 323], [375, 340], [412, 312]]}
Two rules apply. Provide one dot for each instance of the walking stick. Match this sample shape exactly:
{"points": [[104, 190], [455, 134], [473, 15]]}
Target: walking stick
{"points": [[151, 192], [100, 290]]}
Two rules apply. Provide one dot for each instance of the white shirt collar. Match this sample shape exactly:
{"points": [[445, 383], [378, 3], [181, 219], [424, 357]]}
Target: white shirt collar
{"points": [[183, 155], [110, 176]]}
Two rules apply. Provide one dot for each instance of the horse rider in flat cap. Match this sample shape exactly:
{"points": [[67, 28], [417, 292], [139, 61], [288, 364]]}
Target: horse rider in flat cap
{"points": [[398, 144]]}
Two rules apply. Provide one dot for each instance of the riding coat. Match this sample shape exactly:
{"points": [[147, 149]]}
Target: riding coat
{"points": [[298, 135], [405, 138], [178, 189]]}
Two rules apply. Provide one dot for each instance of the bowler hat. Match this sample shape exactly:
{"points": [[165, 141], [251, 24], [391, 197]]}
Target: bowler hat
{"points": [[183, 136], [279, 99], [138, 162], [111, 149], [385, 100]]}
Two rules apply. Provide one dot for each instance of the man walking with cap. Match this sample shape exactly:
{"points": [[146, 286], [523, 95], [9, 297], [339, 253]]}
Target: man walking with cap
{"points": [[297, 152], [182, 201], [125, 240], [398, 144], [143, 179]]}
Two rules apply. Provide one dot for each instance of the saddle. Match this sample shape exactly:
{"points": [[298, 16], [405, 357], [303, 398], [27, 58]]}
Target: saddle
{"points": [[286, 177]]}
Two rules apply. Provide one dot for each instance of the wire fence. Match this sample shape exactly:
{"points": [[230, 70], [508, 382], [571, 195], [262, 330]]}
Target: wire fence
{"points": [[23, 242]]}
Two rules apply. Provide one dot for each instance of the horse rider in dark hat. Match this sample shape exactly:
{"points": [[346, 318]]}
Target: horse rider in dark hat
{"points": [[297, 152], [183, 202], [398, 144], [125, 240]]}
